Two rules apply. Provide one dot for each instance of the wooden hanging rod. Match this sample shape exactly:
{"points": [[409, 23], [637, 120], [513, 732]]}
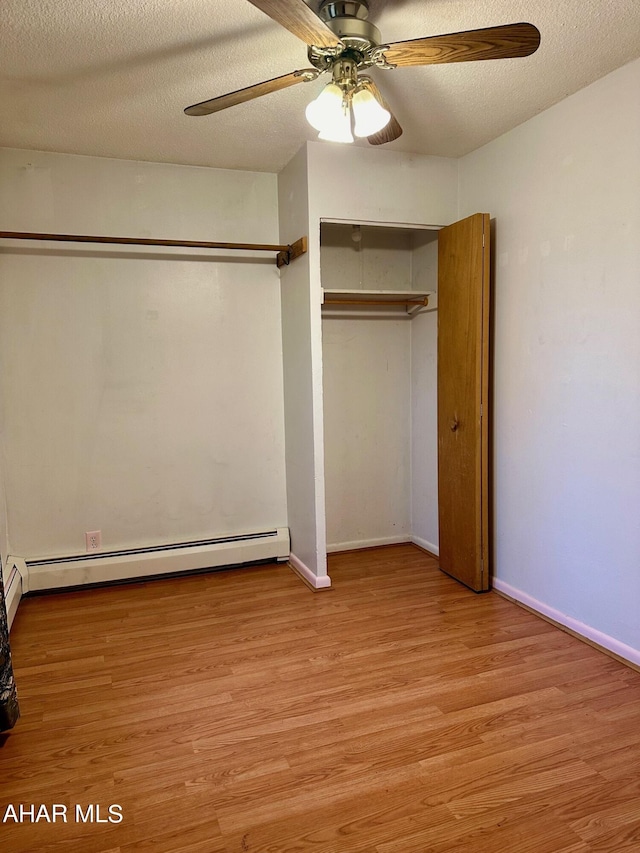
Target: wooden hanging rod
{"points": [[285, 253], [382, 302]]}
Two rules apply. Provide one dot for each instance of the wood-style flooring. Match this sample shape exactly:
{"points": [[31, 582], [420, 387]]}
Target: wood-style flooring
{"points": [[239, 712]]}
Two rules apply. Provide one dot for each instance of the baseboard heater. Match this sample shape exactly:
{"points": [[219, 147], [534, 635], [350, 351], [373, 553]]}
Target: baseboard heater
{"points": [[12, 592], [140, 563]]}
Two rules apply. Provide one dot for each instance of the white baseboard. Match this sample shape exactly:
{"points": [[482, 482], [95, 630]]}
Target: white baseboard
{"points": [[573, 626], [426, 546], [367, 543], [12, 595], [317, 582], [61, 572]]}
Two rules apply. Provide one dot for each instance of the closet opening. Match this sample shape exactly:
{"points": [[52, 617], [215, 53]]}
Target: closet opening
{"points": [[379, 333]]}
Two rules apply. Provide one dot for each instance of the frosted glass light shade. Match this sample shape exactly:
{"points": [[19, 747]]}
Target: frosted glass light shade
{"points": [[340, 129], [369, 114], [326, 109]]}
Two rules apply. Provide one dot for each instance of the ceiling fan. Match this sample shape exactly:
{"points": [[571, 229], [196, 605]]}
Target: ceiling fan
{"points": [[342, 41]]}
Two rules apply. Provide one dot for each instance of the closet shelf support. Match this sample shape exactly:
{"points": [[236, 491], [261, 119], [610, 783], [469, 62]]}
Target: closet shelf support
{"points": [[284, 253], [290, 253]]}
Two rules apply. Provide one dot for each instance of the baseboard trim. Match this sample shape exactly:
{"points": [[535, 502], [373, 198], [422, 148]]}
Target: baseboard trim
{"points": [[304, 572], [603, 642], [361, 544], [429, 547]]}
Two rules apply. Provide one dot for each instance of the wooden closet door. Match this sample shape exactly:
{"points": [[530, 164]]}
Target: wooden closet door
{"points": [[463, 379]]}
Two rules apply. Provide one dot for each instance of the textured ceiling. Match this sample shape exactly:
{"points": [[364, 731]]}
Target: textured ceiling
{"points": [[111, 77]]}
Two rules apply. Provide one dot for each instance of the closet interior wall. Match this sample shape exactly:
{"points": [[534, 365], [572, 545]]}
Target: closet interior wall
{"points": [[379, 384], [141, 388]]}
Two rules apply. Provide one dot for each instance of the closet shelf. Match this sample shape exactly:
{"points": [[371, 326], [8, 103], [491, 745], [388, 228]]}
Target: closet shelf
{"points": [[412, 300]]}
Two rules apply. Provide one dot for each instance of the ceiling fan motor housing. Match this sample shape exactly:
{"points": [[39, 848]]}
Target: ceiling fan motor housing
{"points": [[348, 20], [343, 9]]}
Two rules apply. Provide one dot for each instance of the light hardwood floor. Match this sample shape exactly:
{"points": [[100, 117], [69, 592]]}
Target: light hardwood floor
{"points": [[239, 712]]}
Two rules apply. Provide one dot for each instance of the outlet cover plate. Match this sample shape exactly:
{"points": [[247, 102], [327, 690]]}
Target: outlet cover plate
{"points": [[93, 539]]}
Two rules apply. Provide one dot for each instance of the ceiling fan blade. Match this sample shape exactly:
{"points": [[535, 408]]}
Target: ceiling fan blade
{"points": [[299, 19], [205, 108], [505, 42], [392, 129]]}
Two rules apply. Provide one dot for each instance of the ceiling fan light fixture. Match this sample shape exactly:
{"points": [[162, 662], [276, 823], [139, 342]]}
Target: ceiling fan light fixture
{"points": [[369, 114], [327, 109]]}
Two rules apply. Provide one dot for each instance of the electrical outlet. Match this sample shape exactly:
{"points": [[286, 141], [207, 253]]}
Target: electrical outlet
{"points": [[93, 539]]}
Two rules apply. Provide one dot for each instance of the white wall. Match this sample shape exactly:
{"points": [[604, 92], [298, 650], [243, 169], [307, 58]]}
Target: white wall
{"points": [[367, 430], [379, 259], [302, 383], [564, 190], [424, 397], [7, 576], [374, 185], [141, 390]]}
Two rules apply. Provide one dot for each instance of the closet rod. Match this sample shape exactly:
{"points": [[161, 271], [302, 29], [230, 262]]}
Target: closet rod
{"points": [[424, 301], [285, 253]]}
